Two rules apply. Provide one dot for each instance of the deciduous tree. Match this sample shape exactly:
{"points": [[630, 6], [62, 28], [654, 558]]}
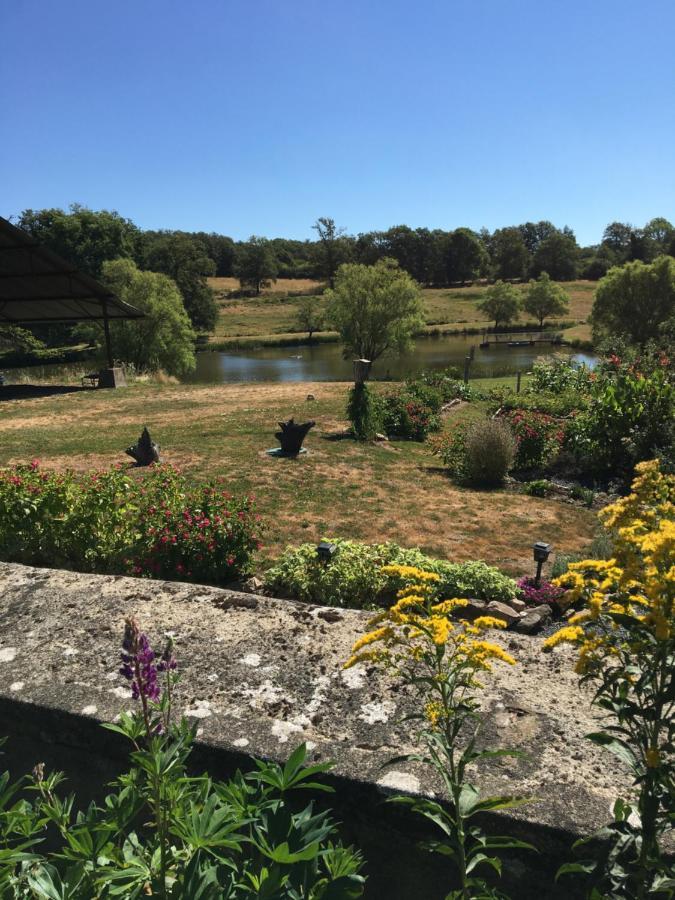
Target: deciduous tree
{"points": [[375, 308], [164, 339], [557, 255], [501, 303], [310, 315], [256, 265], [186, 261], [333, 247], [636, 300], [544, 298]]}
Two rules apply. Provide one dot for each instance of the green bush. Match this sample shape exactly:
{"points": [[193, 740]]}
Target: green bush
{"points": [[490, 449], [354, 578], [406, 416], [538, 488], [364, 411], [557, 375], [142, 522], [551, 403], [630, 418], [446, 382]]}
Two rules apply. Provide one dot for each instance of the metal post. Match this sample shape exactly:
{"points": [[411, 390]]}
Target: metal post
{"points": [[467, 363], [518, 374], [537, 580], [472, 351], [106, 330]]}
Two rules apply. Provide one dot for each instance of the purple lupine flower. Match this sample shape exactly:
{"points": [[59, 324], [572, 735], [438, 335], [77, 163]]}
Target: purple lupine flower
{"points": [[168, 661], [138, 662]]}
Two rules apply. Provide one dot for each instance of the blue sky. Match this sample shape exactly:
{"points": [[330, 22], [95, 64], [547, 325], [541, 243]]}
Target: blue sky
{"points": [[257, 116]]}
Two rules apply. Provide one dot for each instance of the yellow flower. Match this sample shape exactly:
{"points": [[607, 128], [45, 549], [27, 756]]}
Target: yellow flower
{"points": [[484, 622], [433, 712], [569, 635]]}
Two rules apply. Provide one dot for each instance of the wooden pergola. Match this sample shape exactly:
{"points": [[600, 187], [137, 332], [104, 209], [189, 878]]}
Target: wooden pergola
{"points": [[38, 286]]}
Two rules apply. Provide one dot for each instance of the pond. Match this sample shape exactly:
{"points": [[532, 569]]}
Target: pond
{"points": [[324, 362]]}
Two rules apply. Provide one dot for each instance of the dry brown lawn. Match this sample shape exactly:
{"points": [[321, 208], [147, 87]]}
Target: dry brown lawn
{"points": [[341, 488]]}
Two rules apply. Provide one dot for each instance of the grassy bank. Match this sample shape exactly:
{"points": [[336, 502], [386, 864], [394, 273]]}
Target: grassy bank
{"points": [[390, 491], [271, 319]]}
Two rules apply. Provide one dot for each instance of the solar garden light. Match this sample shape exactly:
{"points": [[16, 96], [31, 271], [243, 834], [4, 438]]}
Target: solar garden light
{"points": [[326, 552], [541, 551]]}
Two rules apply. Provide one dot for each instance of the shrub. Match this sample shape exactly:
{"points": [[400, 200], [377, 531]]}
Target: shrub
{"points": [[165, 833], [601, 547], [406, 416], [539, 438], [446, 381], [354, 577], [586, 495], [555, 404], [147, 523], [538, 488], [489, 452], [629, 419], [556, 375], [364, 411]]}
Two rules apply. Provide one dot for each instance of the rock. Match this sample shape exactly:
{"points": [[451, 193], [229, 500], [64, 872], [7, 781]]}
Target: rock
{"points": [[534, 619], [252, 585], [517, 604], [501, 611], [381, 437], [470, 612]]}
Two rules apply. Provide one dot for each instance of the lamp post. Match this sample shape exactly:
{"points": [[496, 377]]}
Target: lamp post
{"points": [[541, 552], [326, 552]]}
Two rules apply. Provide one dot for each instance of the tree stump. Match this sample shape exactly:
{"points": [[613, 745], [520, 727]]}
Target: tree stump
{"points": [[144, 451], [292, 435]]}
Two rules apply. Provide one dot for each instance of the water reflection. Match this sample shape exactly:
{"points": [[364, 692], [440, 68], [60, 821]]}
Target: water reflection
{"points": [[324, 362]]}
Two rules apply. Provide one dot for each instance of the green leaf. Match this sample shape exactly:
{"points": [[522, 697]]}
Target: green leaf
{"points": [[618, 747]]}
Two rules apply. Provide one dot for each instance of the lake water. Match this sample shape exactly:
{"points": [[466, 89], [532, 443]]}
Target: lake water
{"points": [[324, 362]]}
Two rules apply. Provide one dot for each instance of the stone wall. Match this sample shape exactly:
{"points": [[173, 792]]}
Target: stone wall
{"points": [[261, 675]]}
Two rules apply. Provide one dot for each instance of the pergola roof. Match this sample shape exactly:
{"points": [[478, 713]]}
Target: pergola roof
{"points": [[37, 285]]}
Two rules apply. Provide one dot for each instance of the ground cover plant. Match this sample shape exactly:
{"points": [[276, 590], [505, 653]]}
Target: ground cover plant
{"points": [[418, 642], [163, 832], [625, 634], [152, 525], [371, 492], [360, 575]]}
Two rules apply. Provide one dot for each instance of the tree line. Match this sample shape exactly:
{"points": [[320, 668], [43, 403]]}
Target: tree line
{"points": [[433, 257]]}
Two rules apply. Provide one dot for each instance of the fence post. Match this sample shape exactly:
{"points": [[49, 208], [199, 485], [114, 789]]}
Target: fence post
{"points": [[467, 363], [518, 374]]}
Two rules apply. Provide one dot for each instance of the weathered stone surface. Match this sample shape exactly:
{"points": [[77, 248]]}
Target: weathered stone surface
{"points": [[472, 610], [517, 604], [502, 611], [534, 619], [261, 674]]}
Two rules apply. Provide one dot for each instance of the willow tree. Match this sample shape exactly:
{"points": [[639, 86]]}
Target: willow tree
{"points": [[374, 308]]}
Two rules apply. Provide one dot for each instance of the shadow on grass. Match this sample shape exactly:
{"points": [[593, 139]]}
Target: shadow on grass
{"points": [[31, 391]]}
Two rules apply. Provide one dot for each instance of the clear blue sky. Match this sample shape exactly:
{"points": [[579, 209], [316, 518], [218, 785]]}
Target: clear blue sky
{"points": [[258, 116]]}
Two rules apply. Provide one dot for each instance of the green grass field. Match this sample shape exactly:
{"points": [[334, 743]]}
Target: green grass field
{"points": [[272, 317], [386, 491]]}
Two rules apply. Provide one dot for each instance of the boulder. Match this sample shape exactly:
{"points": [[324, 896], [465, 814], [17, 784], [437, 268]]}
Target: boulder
{"points": [[502, 611], [534, 619]]}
